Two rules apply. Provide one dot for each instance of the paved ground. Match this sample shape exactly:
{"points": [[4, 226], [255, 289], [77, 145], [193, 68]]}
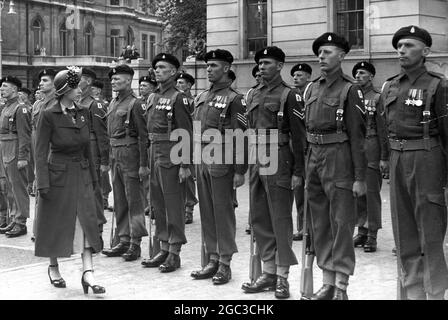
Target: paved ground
{"points": [[23, 276]]}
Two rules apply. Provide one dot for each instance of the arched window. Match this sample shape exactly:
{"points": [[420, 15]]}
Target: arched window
{"points": [[88, 39], [130, 37], [37, 30], [63, 40]]}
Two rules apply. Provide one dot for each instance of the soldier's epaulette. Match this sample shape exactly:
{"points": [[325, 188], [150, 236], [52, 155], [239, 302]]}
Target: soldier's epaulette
{"points": [[437, 75], [235, 90], [393, 77], [198, 97], [376, 90], [316, 79]]}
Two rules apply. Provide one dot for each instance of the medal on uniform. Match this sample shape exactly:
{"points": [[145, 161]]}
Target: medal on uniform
{"points": [[419, 101], [82, 118]]}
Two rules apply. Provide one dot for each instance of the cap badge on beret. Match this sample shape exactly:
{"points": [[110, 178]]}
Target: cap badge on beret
{"points": [[265, 51], [412, 30], [6, 79], [113, 70], [163, 57], [300, 67], [362, 64], [45, 71], [214, 55], [330, 38]]}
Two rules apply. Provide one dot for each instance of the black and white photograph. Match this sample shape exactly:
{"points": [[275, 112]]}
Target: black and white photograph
{"points": [[223, 156]]}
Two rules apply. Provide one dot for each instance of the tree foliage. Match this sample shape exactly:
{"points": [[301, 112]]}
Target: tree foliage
{"points": [[184, 21]]}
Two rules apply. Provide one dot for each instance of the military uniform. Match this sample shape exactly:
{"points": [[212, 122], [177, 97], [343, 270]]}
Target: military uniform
{"points": [[273, 106], [335, 128], [415, 104], [128, 139], [219, 108], [15, 137], [99, 145]]}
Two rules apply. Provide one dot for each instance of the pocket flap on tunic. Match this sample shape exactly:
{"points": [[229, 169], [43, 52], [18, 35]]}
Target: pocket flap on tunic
{"points": [[438, 198], [274, 107], [310, 100], [332, 102]]}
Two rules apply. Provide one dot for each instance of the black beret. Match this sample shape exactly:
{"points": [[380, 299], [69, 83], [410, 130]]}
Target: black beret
{"points": [[98, 84], [25, 90], [121, 69], [412, 32], [232, 75], [15, 81], [363, 65], [47, 72], [147, 79], [186, 76], [330, 38], [165, 57], [255, 70], [219, 54], [301, 67], [89, 73], [270, 52]]}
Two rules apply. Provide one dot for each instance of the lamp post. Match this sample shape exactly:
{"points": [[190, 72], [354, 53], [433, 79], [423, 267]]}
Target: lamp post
{"points": [[11, 11]]}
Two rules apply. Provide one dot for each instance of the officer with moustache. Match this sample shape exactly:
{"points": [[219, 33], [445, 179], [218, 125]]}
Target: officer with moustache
{"points": [[272, 105], [376, 146], [129, 140], [415, 105], [184, 82], [336, 164], [301, 74], [167, 111], [219, 108], [15, 145]]}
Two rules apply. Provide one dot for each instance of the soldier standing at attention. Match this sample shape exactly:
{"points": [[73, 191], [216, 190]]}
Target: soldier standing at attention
{"points": [[168, 111], [15, 145], [272, 106], [301, 73], [99, 140], [376, 146], [128, 139], [415, 105], [220, 107], [184, 82], [336, 164]]}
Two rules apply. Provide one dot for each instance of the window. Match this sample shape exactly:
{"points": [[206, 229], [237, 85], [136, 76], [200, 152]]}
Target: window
{"points": [[63, 40], [152, 46], [37, 32], [257, 26], [350, 21], [114, 42], [114, 2], [130, 37], [145, 46], [88, 38]]}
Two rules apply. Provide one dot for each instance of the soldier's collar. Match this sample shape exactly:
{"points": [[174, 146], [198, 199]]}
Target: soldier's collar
{"points": [[123, 95], [331, 78], [368, 88], [414, 74], [11, 101], [220, 85], [274, 82], [164, 87]]}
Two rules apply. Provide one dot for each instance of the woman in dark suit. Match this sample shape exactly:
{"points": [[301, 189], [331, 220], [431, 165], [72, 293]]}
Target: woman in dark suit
{"points": [[66, 176]]}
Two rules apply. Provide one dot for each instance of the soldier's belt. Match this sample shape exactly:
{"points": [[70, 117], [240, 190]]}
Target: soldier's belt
{"points": [[125, 141], [283, 138], [371, 133], [8, 136], [66, 157], [329, 138], [413, 145], [157, 137]]}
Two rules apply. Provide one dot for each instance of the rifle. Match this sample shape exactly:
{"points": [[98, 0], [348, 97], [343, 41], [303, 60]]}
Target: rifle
{"points": [[154, 243], [204, 256], [114, 237], [306, 281], [255, 259]]}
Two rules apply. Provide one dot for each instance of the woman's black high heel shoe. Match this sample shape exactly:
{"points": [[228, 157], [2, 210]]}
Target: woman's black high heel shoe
{"points": [[85, 285], [58, 283]]}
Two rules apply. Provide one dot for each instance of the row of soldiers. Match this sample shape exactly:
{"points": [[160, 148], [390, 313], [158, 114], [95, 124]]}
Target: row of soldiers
{"points": [[333, 137]]}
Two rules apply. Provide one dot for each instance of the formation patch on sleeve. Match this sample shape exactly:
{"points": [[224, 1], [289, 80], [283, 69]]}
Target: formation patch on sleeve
{"points": [[185, 101], [298, 97], [361, 96], [144, 106], [243, 102], [100, 106], [24, 110]]}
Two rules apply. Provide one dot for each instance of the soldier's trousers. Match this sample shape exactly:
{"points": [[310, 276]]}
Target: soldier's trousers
{"points": [[128, 203], [419, 217], [168, 201], [190, 195], [271, 201], [98, 188], [369, 205], [299, 197], [216, 194], [18, 180], [330, 179], [106, 188]]}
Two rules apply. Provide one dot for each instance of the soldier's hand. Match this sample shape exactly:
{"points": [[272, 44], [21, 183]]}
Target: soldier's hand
{"points": [[296, 182], [143, 172], [384, 167], [44, 192], [104, 168], [21, 164], [3, 185], [184, 173], [445, 190], [359, 188], [238, 180]]}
